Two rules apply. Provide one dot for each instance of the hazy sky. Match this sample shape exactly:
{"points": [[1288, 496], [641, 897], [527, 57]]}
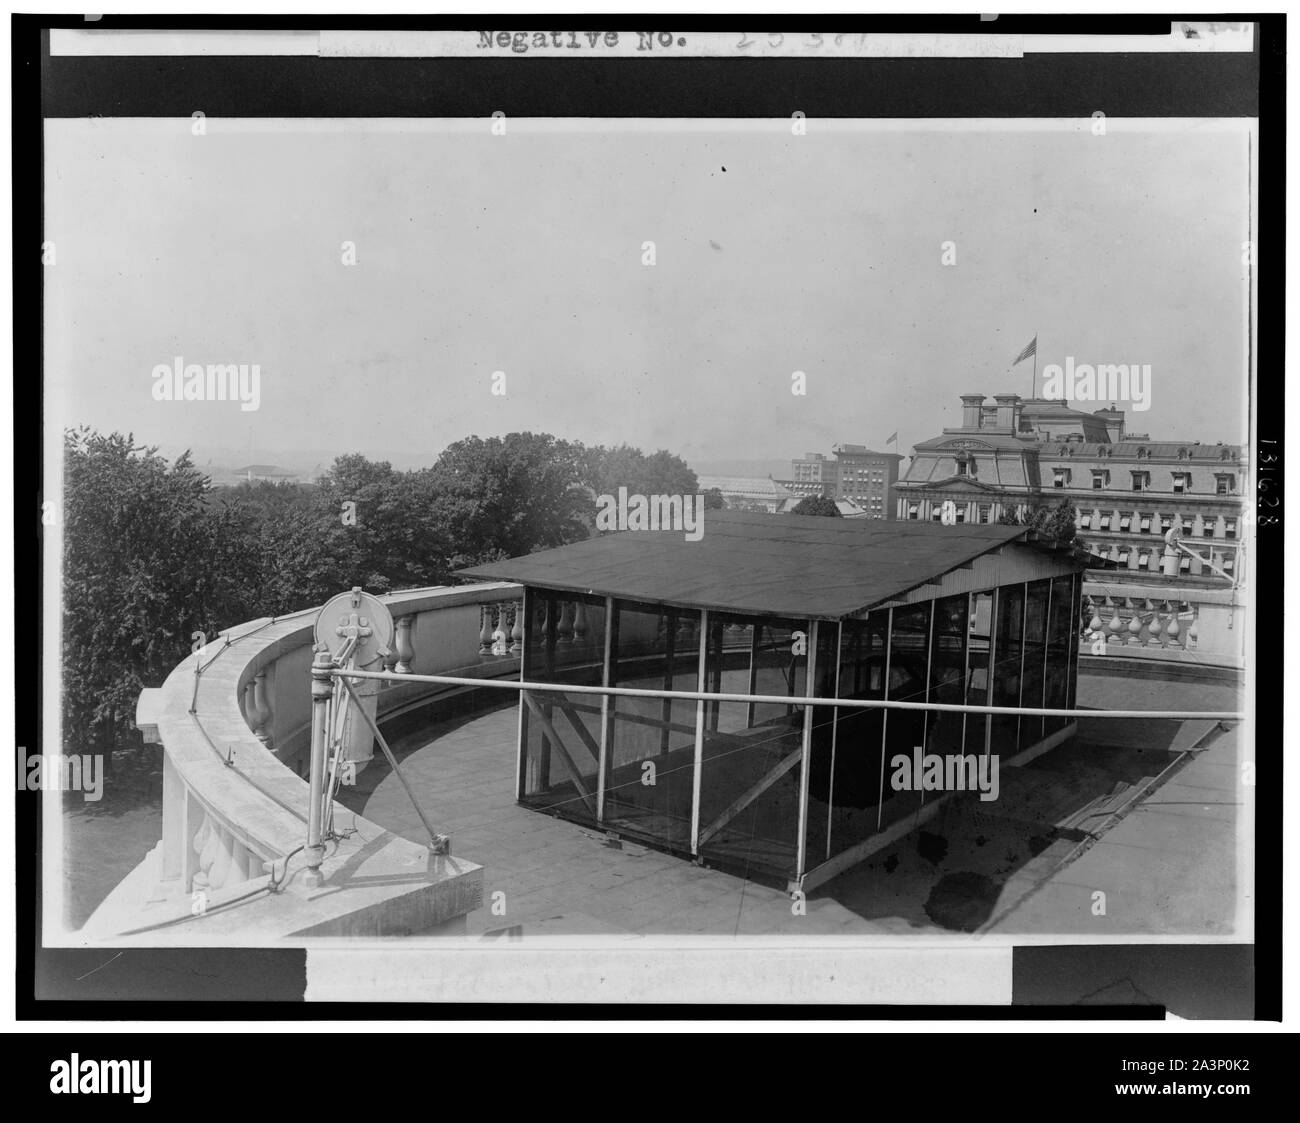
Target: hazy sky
{"points": [[522, 253]]}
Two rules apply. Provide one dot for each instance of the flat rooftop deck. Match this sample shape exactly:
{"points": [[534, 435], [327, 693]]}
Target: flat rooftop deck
{"points": [[1026, 863]]}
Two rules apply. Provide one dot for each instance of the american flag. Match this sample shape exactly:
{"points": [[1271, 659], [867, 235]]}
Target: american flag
{"points": [[892, 438], [1032, 349]]}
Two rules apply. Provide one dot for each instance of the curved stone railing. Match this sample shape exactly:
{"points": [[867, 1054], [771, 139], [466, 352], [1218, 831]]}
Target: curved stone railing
{"points": [[234, 723]]}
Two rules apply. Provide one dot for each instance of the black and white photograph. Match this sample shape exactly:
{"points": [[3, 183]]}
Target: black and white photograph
{"points": [[658, 553]]}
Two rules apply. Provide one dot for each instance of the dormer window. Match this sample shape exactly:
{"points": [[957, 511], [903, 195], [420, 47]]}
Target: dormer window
{"points": [[1182, 454], [1142, 453]]}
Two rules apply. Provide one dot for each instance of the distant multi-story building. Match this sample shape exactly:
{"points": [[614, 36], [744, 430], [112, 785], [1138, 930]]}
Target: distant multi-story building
{"points": [[856, 473], [266, 473], [1129, 491], [748, 493]]}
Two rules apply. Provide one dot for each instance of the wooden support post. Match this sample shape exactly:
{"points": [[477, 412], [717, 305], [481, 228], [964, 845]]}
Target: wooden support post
{"points": [[606, 708], [810, 679], [699, 733]]}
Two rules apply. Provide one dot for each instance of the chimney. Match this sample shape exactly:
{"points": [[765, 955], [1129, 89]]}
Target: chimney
{"points": [[971, 404], [1114, 421], [1008, 411]]}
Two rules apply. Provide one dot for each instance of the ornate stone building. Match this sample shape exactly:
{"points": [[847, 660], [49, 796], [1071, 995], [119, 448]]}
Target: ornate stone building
{"points": [[1129, 491]]}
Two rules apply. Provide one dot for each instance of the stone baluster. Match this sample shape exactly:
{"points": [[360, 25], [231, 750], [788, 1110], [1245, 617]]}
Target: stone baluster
{"points": [[579, 622], [265, 712], [544, 622], [214, 856], [517, 632], [564, 627], [405, 649], [223, 859], [501, 630], [1135, 628], [257, 710], [1155, 628], [1094, 625], [1192, 634], [1173, 628], [485, 629], [1115, 625]]}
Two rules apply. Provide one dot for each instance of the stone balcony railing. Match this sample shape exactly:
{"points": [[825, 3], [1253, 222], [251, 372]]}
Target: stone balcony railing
{"points": [[234, 723], [1156, 622]]}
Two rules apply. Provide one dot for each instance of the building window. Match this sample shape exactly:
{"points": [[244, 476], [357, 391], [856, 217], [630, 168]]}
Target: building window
{"points": [[1144, 558], [1229, 561], [1141, 481], [913, 511], [1184, 564], [1061, 477], [1145, 526], [1166, 522], [961, 513], [1225, 485], [986, 512], [1100, 478], [1122, 556], [1229, 529], [1104, 523], [1207, 528], [1125, 521], [936, 513], [1181, 482]]}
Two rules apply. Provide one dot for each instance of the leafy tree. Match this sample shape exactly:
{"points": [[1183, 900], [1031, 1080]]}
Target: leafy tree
{"points": [[1053, 520], [816, 505], [506, 496], [713, 499], [147, 562], [605, 470], [378, 527]]}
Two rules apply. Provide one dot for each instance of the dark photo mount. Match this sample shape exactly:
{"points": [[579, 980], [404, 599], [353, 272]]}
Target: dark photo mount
{"points": [[63, 982]]}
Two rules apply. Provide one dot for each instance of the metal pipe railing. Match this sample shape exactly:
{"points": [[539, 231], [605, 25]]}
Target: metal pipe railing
{"points": [[786, 700]]}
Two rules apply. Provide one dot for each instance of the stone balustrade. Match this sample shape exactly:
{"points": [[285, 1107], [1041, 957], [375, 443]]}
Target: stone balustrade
{"points": [[1206, 626], [233, 721]]}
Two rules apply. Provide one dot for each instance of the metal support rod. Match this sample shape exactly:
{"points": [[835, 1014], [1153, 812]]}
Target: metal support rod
{"points": [[696, 773], [438, 843], [321, 690], [787, 700]]}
